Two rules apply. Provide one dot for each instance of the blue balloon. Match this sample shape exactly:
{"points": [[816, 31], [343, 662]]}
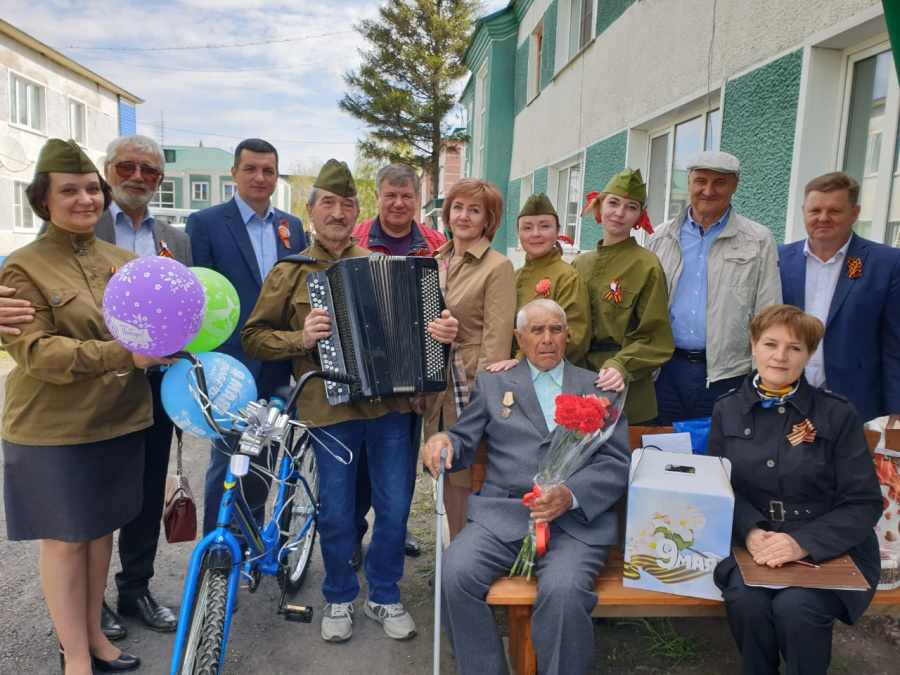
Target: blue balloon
{"points": [[230, 384]]}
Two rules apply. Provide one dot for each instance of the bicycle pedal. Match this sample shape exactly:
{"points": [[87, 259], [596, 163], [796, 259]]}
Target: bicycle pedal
{"points": [[297, 613]]}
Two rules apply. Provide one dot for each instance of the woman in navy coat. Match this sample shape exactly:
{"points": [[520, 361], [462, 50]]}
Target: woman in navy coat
{"points": [[805, 488]]}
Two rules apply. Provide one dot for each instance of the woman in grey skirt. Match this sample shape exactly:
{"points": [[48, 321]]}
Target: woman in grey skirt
{"points": [[75, 404]]}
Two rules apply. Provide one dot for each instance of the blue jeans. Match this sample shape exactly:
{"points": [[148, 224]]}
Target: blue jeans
{"points": [[682, 392], [386, 443]]}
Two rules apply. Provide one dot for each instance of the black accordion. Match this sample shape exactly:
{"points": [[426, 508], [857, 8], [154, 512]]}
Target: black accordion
{"points": [[380, 307]]}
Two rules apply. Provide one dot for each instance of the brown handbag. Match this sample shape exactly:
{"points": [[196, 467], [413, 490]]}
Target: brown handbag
{"points": [[179, 512]]}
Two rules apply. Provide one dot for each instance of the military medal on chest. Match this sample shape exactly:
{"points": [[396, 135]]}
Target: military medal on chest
{"points": [[614, 294], [507, 405]]}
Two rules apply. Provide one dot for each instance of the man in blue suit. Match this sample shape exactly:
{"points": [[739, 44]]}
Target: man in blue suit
{"points": [[853, 286], [242, 240]]}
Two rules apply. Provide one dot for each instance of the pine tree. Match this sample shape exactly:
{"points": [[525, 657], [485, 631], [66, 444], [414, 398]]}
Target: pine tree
{"points": [[402, 90]]}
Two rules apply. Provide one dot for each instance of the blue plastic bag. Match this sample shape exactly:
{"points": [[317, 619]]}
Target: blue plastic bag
{"points": [[699, 431]]}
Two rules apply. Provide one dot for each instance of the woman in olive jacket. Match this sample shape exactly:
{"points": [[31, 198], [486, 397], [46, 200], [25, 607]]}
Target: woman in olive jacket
{"points": [[76, 404], [805, 488]]}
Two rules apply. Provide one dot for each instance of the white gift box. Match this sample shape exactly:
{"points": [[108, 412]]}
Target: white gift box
{"points": [[680, 510]]}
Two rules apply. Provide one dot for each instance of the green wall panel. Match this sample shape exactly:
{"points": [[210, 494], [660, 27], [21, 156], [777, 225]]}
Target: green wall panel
{"points": [[548, 58], [178, 184], [758, 123], [498, 136], [539, 184], [603, 160], [511, 211], [521, 77], [608, 11]]}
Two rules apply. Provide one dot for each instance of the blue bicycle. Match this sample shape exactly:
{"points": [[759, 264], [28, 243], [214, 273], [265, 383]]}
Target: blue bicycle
{"points": [[282, 548]]}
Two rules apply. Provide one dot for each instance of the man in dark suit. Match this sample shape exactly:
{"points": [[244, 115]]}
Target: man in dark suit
{"points": [[852, 285], [242, 240], [134, 169], [513, 410]]}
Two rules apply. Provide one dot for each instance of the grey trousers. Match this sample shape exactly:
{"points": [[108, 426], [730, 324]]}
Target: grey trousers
{"points": [[562, 630]]}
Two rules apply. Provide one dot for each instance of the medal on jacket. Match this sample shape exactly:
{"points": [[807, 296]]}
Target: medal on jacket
{"points": [[164, 250], [804, 432], [507, 405], [614, 294], [854, 268], [284, 233]]}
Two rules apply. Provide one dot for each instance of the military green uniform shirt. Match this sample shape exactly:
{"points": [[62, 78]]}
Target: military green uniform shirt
{"points": [[567, 289], [274, 332], [633, 334]]}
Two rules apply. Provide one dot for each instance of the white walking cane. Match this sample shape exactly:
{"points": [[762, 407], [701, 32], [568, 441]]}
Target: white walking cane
{"points": [[438, 557]]}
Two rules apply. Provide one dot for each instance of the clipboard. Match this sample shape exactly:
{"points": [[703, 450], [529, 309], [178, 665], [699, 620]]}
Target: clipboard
{"points": [[838, 574]]}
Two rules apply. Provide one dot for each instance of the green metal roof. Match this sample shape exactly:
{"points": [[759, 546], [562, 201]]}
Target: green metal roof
{"points": [[194, 158]]}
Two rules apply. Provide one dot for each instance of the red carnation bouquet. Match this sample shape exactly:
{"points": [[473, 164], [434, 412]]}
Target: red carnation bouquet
{"points": [[583, 424]]}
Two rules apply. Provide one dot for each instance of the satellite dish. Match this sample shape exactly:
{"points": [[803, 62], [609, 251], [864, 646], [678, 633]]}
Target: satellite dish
{"points": [[12, 155]]}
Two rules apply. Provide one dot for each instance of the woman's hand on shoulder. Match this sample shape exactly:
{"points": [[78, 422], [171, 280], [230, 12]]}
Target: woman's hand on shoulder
{"points": [[610, 379], [776, 549], [142, 362], [500, 366]]}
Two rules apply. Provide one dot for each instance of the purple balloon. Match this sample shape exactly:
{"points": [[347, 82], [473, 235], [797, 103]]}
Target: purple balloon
{"points": [[154, 306]]}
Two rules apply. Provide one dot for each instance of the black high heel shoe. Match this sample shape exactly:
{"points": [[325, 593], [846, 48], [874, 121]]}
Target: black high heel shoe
{"points": [[123, 664]]}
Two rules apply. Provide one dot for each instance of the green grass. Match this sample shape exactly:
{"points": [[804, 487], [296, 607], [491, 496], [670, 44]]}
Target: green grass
{"points": [[663, 640]]}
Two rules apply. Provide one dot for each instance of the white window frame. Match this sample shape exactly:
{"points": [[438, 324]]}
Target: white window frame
{"points": [[204, 189], [79, 134], [553, 180], [535, 55], [227, 197], [157, 201], [480, 121], [851, 57], [564, 51], [14, 78], [22, 209]]}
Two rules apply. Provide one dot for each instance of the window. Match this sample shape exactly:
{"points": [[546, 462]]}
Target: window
{"points": [[23, 216], [165, 195], [227, 191], [535, 56], [200, 192], [169, 155], [580, 26], [869, 142], [26, 103], [77, 126], [568, 199], [671, 149]]}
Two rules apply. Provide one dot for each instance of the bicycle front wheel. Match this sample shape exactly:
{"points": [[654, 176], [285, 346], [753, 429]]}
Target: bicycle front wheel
{"points": [[202, 651], [299, 511]]}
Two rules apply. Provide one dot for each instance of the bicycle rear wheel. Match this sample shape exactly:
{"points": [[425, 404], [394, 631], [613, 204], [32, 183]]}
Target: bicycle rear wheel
{"points": [[202, 652], [299, 511]]}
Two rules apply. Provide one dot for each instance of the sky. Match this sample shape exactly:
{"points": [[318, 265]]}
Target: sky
{"points": [[276, 71]]}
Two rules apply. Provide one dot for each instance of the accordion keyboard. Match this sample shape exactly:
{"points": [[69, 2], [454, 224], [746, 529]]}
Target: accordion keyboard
{"points": [[329, 349]]}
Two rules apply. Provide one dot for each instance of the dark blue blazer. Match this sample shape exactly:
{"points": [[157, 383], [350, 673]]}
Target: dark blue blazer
{"points": [[862, 333], [219, 241]]}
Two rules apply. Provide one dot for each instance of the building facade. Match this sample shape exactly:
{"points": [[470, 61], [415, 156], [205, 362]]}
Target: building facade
{"points": [[563, 94], [198, 177], [47, 95], [451, 171]]}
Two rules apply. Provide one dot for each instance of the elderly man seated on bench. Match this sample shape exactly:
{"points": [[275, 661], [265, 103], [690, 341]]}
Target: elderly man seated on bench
{"points": [[514, 411]]}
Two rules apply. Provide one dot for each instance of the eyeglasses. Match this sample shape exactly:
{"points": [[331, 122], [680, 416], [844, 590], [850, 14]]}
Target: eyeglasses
{"points": [[127, 169]]}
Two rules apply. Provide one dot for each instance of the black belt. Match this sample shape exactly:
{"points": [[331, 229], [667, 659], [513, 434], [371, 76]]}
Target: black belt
{"points": [[691, 356], [780, 512], [598, 347]]}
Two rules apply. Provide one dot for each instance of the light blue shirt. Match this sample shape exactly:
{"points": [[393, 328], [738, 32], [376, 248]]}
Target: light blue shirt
{"points": [[262, 235], [140, 242], [688, 310], [547, 386]]}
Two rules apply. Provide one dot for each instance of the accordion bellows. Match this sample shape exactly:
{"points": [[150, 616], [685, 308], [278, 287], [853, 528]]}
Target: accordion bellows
{"points": [[380, 307]]}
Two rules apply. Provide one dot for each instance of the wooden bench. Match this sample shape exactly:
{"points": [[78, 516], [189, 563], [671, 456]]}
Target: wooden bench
{"points": [[613, 599]]}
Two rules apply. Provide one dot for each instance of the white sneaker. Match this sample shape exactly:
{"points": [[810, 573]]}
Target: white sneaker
{"points": [[337, 626], [397, 622]]}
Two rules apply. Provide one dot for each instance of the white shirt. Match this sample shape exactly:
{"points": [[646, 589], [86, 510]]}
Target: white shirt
{"points": [[821, 280]]}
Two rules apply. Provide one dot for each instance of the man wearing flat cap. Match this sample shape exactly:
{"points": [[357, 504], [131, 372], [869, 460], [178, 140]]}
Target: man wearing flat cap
{"points": [[284, 327], [722, 269], [242, 240]]}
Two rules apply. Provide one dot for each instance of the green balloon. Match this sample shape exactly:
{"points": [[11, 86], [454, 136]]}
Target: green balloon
{"points": [[223, 309]]}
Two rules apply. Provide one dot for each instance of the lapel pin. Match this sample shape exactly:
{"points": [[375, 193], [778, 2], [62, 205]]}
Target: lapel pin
{"points": [[614, 294], [804, 432], [854, 268], [284, 233]]}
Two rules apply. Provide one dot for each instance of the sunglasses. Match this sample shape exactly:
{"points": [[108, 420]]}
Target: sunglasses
{"points": [[127, 169]]}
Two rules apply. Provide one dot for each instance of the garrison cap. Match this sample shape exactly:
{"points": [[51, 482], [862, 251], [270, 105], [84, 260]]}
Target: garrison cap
{"points": [[628, 184], [58, 156], [538, 205], [335, 177]]}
